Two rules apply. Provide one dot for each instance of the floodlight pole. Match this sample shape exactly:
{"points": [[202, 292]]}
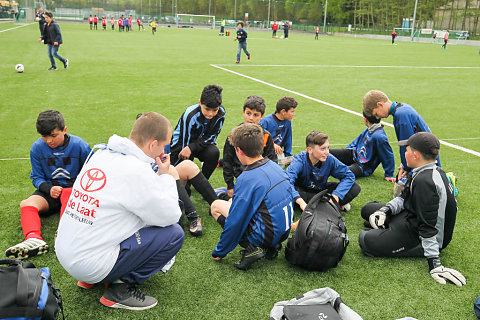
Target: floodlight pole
{"points": [[209, 3], [235, 11], [325, 16], [414, 15], [268, 18]]}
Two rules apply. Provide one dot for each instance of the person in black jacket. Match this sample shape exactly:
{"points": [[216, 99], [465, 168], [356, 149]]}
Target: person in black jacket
{"points": [[41, 19], [52, 37], [242, 41], [253, 111], [419, 222]]}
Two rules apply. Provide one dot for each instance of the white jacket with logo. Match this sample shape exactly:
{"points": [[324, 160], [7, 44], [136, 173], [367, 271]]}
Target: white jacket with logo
{"points": [[116, 194]]}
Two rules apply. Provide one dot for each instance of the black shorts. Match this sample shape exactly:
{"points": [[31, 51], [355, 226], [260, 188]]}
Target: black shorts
{"points": [[54, 205]]}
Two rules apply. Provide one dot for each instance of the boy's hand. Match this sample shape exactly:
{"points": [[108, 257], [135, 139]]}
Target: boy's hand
{"points": [[39, 39], [391, 179], [230, 193], [55, 192], [336, 199], [278, 149], [55, 43], [301, 203], [401, 172], [185, 153], [163, 162]]}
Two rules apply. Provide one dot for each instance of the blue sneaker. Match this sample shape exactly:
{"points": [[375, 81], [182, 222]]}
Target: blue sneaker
{"points": [[220, 190]]}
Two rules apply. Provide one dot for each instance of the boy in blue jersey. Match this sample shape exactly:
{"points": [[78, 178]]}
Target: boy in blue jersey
{"points": [[279, 124], [56, 158], [253, 111], [197, 130], [368, 150], [309, 172], [242, 41], [261, 212], [406, 120]]}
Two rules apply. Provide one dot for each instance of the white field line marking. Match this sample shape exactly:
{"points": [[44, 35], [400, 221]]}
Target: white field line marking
{"points": [[17, 27], [340, 66], [475, 153]]}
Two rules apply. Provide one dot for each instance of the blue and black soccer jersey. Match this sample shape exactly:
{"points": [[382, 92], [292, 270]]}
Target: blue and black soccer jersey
{"points": [[262, 208], [281, 131], [195, 131], [302, 173], [59, 166], [407, 122], [371, 148]]}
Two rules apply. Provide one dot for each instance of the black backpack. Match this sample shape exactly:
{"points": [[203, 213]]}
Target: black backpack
{"points": [[320, 239], [27, 292]]}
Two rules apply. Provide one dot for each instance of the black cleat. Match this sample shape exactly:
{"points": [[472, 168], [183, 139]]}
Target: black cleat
{"points": [[272, 252], [250, 255], [194, 224]]}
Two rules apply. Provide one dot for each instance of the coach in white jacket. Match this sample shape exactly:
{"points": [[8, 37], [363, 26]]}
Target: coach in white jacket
{"points": [[120, 223]]}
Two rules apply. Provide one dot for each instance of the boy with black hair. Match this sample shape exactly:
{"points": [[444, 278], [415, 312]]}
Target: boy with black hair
{"points": [[56, 158], [419, 222], [261, 212], [197, 130], [406, 120], [90, 21], [310, 169], [120, 225], [368, 150], [52, 37], [279, 124], [242, 41], [253, 111]]}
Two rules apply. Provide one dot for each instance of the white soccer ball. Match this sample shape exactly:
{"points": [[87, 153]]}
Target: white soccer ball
{"points": [[19, 68]]}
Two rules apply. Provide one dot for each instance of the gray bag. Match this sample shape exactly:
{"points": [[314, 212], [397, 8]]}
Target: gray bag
{"points": [[318, 304]]}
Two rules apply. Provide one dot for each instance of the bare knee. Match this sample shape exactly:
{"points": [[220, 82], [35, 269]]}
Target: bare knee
{"points": [[35, 201], [219, 208], [187, 170]]}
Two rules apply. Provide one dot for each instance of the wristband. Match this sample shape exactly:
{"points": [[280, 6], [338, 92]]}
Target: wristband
{"points": [[434, 263]]}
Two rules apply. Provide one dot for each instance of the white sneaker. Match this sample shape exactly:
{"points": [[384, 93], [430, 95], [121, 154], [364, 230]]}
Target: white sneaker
{"points": [[346, 207], [27, 249]]}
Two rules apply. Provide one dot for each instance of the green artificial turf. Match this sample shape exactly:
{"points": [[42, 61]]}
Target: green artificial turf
{"points": [[113, 76]]}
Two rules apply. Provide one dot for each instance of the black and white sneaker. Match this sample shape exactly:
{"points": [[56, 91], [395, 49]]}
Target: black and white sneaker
{"points": [[272, 252], [250, 255], [27, 249], [126, 296], [65, 64], [194, 224], [52, 68]]}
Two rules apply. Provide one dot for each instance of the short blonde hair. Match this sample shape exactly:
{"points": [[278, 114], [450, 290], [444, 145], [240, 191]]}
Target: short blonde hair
{"points": [[150, 126], [370, 101]]}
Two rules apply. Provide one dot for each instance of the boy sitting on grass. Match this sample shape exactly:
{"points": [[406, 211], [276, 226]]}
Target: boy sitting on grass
{"points": [[261, 212], [57, 158], [419, 222], [309, 172], [197, 130], [279, 124], [253, 111], [368, 150]]}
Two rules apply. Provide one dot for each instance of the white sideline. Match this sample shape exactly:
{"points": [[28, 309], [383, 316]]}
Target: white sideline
{"points": [[475, 153], [340, 66], [17, 27]]}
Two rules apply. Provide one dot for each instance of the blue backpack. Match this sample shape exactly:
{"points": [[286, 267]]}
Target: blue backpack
{"points": [[27, 292]]}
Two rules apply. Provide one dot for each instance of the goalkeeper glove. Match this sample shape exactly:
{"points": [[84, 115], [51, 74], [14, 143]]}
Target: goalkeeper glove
{"points": [[377, 219], [443, 275]]}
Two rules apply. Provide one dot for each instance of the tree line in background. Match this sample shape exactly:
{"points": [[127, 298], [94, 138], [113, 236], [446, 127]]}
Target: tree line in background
{"points": [[361, 14]]}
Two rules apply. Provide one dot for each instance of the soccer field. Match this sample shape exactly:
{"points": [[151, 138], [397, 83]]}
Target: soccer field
{"points": [[114, 76]]}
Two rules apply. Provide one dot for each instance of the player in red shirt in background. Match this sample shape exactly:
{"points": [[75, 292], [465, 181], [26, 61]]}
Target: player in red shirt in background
{"points": [[112, 22], [90, 20], [120, 21], [274, 28], [140, 24], [445, 39], [104, 23], [95, 22], [130, 23], [394, 35], [317, 29]]}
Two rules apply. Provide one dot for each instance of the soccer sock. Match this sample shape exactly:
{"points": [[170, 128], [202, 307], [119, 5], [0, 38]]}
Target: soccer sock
{"points": [[201, 184], [182, 194], [30, 221], [221, 221]]}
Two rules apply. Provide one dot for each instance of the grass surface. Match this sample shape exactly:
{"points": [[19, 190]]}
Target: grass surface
{"points": [[113, 76]]}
